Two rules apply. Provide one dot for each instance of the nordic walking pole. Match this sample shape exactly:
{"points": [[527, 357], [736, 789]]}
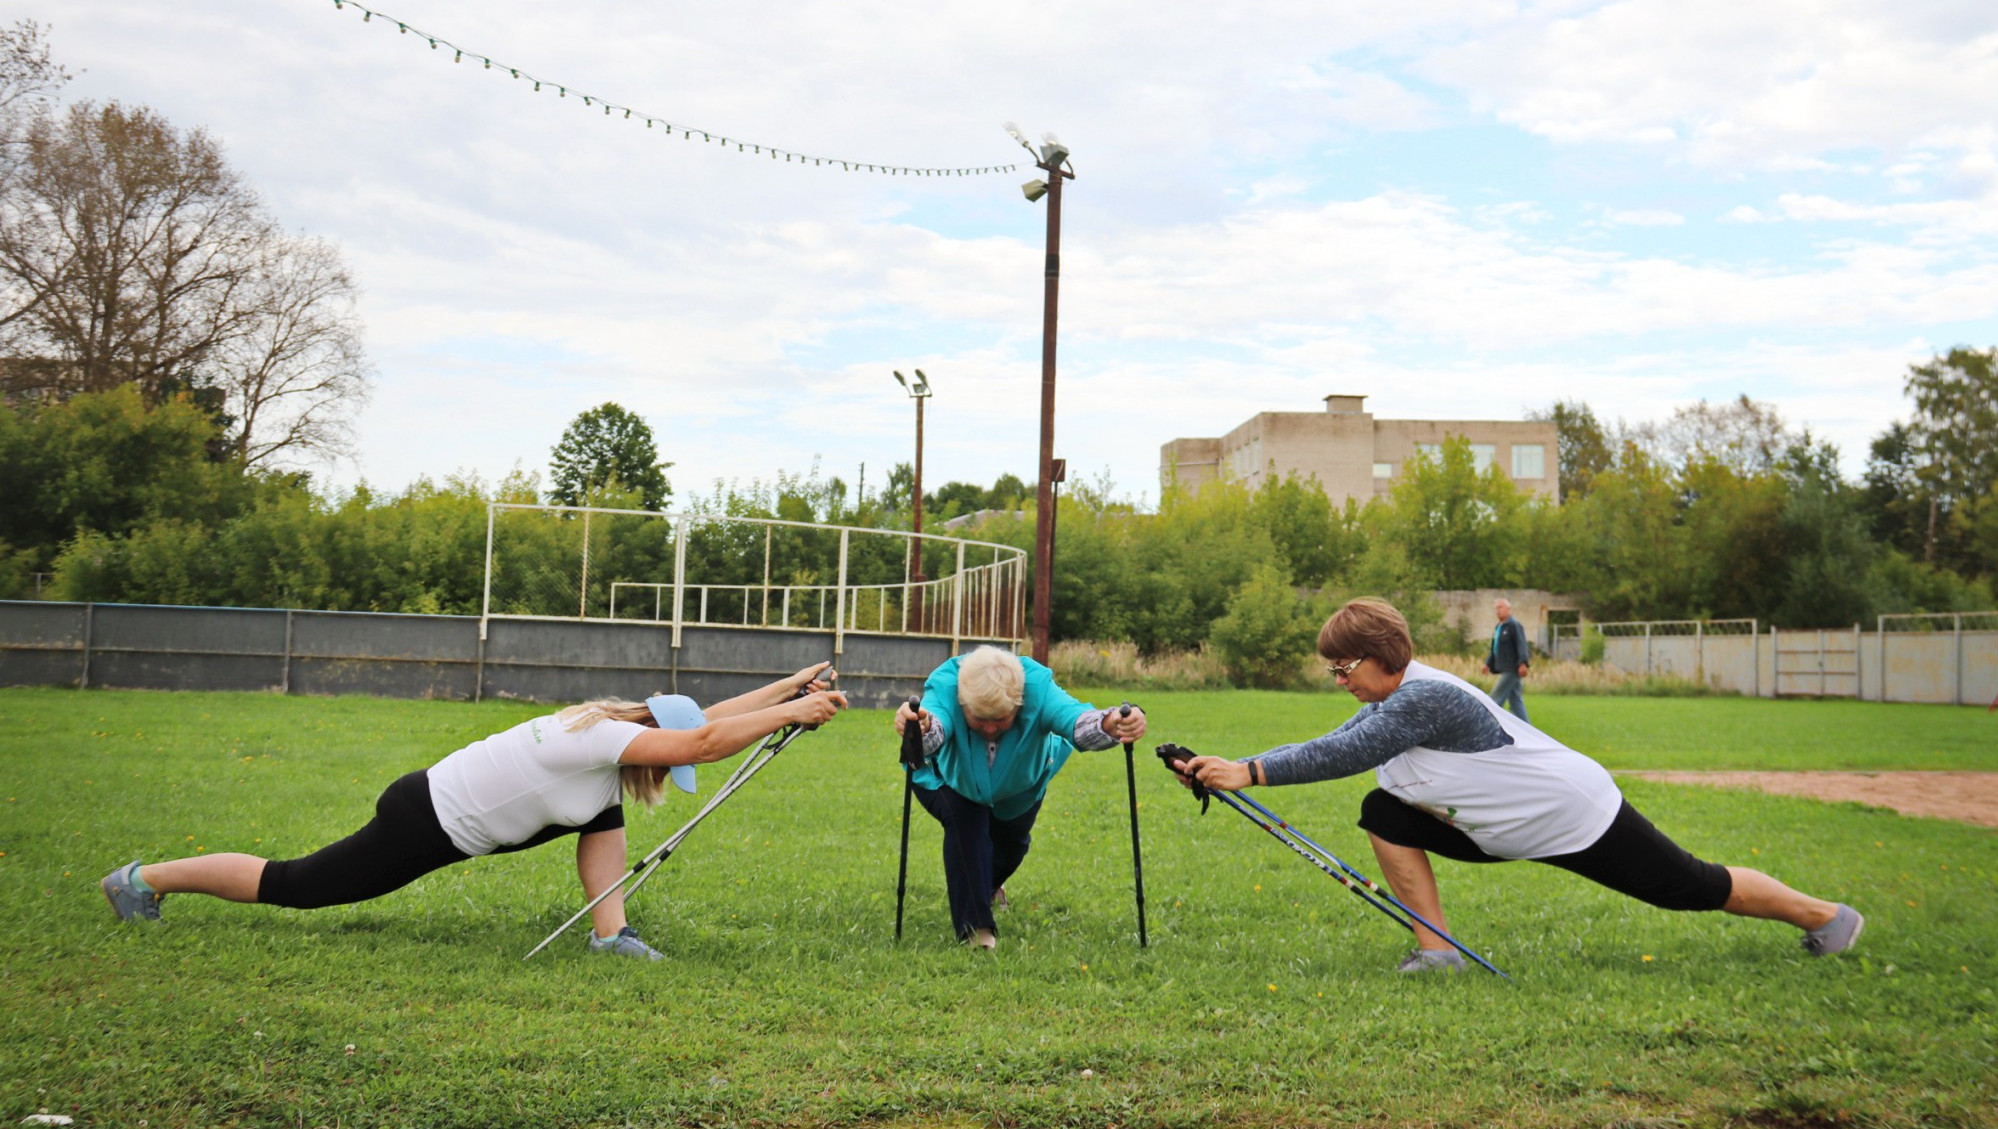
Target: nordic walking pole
{"points": [[1358, 883], [1137, 856], [1361, 880], [644, 867], [912, 759]]}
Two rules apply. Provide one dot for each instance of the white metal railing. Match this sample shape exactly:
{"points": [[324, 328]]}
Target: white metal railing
{"points": [[982, 593]]}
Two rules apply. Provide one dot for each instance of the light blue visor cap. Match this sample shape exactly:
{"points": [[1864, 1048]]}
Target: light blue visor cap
{"points": [[677, 711]]}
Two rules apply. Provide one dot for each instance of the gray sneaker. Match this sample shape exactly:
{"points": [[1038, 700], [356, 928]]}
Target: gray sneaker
{"points": [[625, 944], [1836, 935], [1432, 960], [126, 901]]}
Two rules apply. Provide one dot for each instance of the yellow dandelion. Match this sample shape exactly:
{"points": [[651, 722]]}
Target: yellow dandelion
{"points": [[1647, 958], [1273, 987]]}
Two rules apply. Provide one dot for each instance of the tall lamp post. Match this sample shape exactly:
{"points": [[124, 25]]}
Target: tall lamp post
{"points": [[918, 391], [1049, 158]]}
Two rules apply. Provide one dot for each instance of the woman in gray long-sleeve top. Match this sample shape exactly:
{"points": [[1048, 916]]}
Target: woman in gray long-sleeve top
{"points": [[1462, 778]]}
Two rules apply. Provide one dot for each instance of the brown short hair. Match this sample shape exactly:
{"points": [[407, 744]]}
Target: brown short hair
{"points": [[1368, 628]]}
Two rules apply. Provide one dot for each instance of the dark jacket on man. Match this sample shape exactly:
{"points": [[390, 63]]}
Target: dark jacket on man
{"points": [[1509, 649]]}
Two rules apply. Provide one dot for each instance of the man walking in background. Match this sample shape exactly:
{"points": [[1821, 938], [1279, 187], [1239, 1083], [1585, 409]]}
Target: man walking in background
{"points": [[1508, 659]]}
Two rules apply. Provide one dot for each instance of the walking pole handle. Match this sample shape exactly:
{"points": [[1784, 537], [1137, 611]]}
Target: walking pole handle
{"points": [[1169, 753], [912, 736]]}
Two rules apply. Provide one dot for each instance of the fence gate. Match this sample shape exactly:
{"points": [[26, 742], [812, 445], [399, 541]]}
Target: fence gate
{"points": [[1816, 664]]}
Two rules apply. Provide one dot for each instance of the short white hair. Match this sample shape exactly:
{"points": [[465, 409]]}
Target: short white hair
{"points": [[991, 683]]}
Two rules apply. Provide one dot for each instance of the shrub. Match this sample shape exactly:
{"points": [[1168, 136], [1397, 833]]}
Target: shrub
{"points": [[1264, 630]]}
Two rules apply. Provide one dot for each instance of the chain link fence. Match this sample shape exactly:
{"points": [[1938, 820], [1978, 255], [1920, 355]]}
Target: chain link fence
{"points": [[579, 562]]}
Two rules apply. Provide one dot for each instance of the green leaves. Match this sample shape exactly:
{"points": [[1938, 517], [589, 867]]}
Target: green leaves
{"points": [[608, 457]]}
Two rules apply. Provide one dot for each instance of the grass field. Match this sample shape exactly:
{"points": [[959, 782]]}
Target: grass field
{"points": [[1263, 999]]}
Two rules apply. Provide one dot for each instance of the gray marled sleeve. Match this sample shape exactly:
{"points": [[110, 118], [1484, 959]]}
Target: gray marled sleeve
{"points": [[1432, 714], [1089, 734]]}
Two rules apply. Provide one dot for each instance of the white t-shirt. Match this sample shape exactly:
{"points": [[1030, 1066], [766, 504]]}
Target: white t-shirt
{"points": [[1531, 799], [504, 789]]}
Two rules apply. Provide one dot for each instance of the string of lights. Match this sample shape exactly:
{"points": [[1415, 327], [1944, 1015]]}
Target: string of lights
{"points": [[652, 121]]}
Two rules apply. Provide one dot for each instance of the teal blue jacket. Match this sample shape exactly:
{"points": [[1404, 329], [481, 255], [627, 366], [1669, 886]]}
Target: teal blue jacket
{"points": [[1030, 752]]}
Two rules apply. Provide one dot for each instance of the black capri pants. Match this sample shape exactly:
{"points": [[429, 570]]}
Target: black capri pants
{"points": [[403, 842], [1632, 857]]}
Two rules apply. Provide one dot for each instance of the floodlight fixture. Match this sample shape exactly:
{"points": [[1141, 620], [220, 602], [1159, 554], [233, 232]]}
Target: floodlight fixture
{"points": [[1014, 130], [1034, 190]]}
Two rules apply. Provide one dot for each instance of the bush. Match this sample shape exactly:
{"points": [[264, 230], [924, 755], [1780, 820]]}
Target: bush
{"points": [[1593, 645], [1264, 630]]}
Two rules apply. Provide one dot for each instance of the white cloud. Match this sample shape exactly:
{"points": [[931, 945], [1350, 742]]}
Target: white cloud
{"points": [[525, 259], [1772, 84]]}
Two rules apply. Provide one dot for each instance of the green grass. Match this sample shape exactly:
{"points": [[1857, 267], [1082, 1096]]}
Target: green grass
{"points": [[1263, 1000]]}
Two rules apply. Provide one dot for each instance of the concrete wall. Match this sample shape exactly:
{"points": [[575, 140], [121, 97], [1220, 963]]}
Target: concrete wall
{"points": [[1938, 667], [414, 656], [1471, 610]]}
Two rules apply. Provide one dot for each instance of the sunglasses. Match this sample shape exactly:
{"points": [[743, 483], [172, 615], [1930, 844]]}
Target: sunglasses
{"points": [[1345, 670]]}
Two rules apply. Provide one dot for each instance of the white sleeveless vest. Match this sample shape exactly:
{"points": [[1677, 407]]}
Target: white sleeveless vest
{"points": [[1531, 799]]}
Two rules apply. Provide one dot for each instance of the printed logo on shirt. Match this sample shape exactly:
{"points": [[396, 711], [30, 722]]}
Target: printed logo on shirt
{"points": [[534, 727]]}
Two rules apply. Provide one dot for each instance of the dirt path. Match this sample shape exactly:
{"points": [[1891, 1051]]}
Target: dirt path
{"points": [[1970, 797]]}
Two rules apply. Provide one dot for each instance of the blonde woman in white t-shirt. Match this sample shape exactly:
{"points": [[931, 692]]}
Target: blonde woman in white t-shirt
{"points": [[548, 777]]}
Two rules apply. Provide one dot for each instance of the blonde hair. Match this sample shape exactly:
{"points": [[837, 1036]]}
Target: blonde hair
{"points": [[644, 783], [991, 683]]}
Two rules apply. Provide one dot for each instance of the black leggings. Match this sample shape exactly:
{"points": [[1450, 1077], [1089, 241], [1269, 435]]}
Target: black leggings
{"points": [[403, 842], [1632, 857]]}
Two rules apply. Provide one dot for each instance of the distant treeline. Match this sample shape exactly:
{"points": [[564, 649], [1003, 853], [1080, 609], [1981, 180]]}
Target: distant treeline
{"points": [[1720, 512]]}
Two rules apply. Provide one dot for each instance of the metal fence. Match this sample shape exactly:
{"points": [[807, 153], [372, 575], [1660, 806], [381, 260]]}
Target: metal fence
{"points": [[435, 656], [690, 570], [1944, 658]]}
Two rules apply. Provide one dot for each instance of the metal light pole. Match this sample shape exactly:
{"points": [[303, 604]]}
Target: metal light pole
{"points": [[1050, 158], [918, 391]]}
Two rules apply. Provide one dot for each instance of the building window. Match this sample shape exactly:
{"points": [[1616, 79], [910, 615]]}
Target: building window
{"points": [[1431, 451], [1383, 470], [1529, 460], [1482, 456]]}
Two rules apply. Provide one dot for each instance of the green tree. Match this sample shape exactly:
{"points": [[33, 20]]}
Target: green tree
{"points": [[1315, 543], [1894, 498], [607, 447], [1827, 555], [1633, 541], [1584, 446], [111, 463], [1460, 528], [1955, 431], [1266, 631], [131, 253]]}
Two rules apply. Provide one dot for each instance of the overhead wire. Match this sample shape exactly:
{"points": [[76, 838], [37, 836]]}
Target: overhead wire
{"points": [[592, 101]]}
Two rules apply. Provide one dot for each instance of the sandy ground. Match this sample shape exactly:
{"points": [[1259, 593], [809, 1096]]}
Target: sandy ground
{"points": [[1971, 797]]}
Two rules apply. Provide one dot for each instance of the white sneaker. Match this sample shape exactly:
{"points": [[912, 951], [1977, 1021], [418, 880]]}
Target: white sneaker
{"points": [[625, 944]]}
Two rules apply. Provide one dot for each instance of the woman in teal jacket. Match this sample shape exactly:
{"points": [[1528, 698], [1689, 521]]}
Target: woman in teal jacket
{"points": [[996, 728]]}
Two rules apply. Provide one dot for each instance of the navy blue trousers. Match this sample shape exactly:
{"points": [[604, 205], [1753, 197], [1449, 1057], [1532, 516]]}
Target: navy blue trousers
{"points": [[980, 852]]}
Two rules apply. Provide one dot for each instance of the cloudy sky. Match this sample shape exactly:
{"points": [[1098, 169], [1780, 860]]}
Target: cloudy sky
{"points": [[1459, 208]]}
